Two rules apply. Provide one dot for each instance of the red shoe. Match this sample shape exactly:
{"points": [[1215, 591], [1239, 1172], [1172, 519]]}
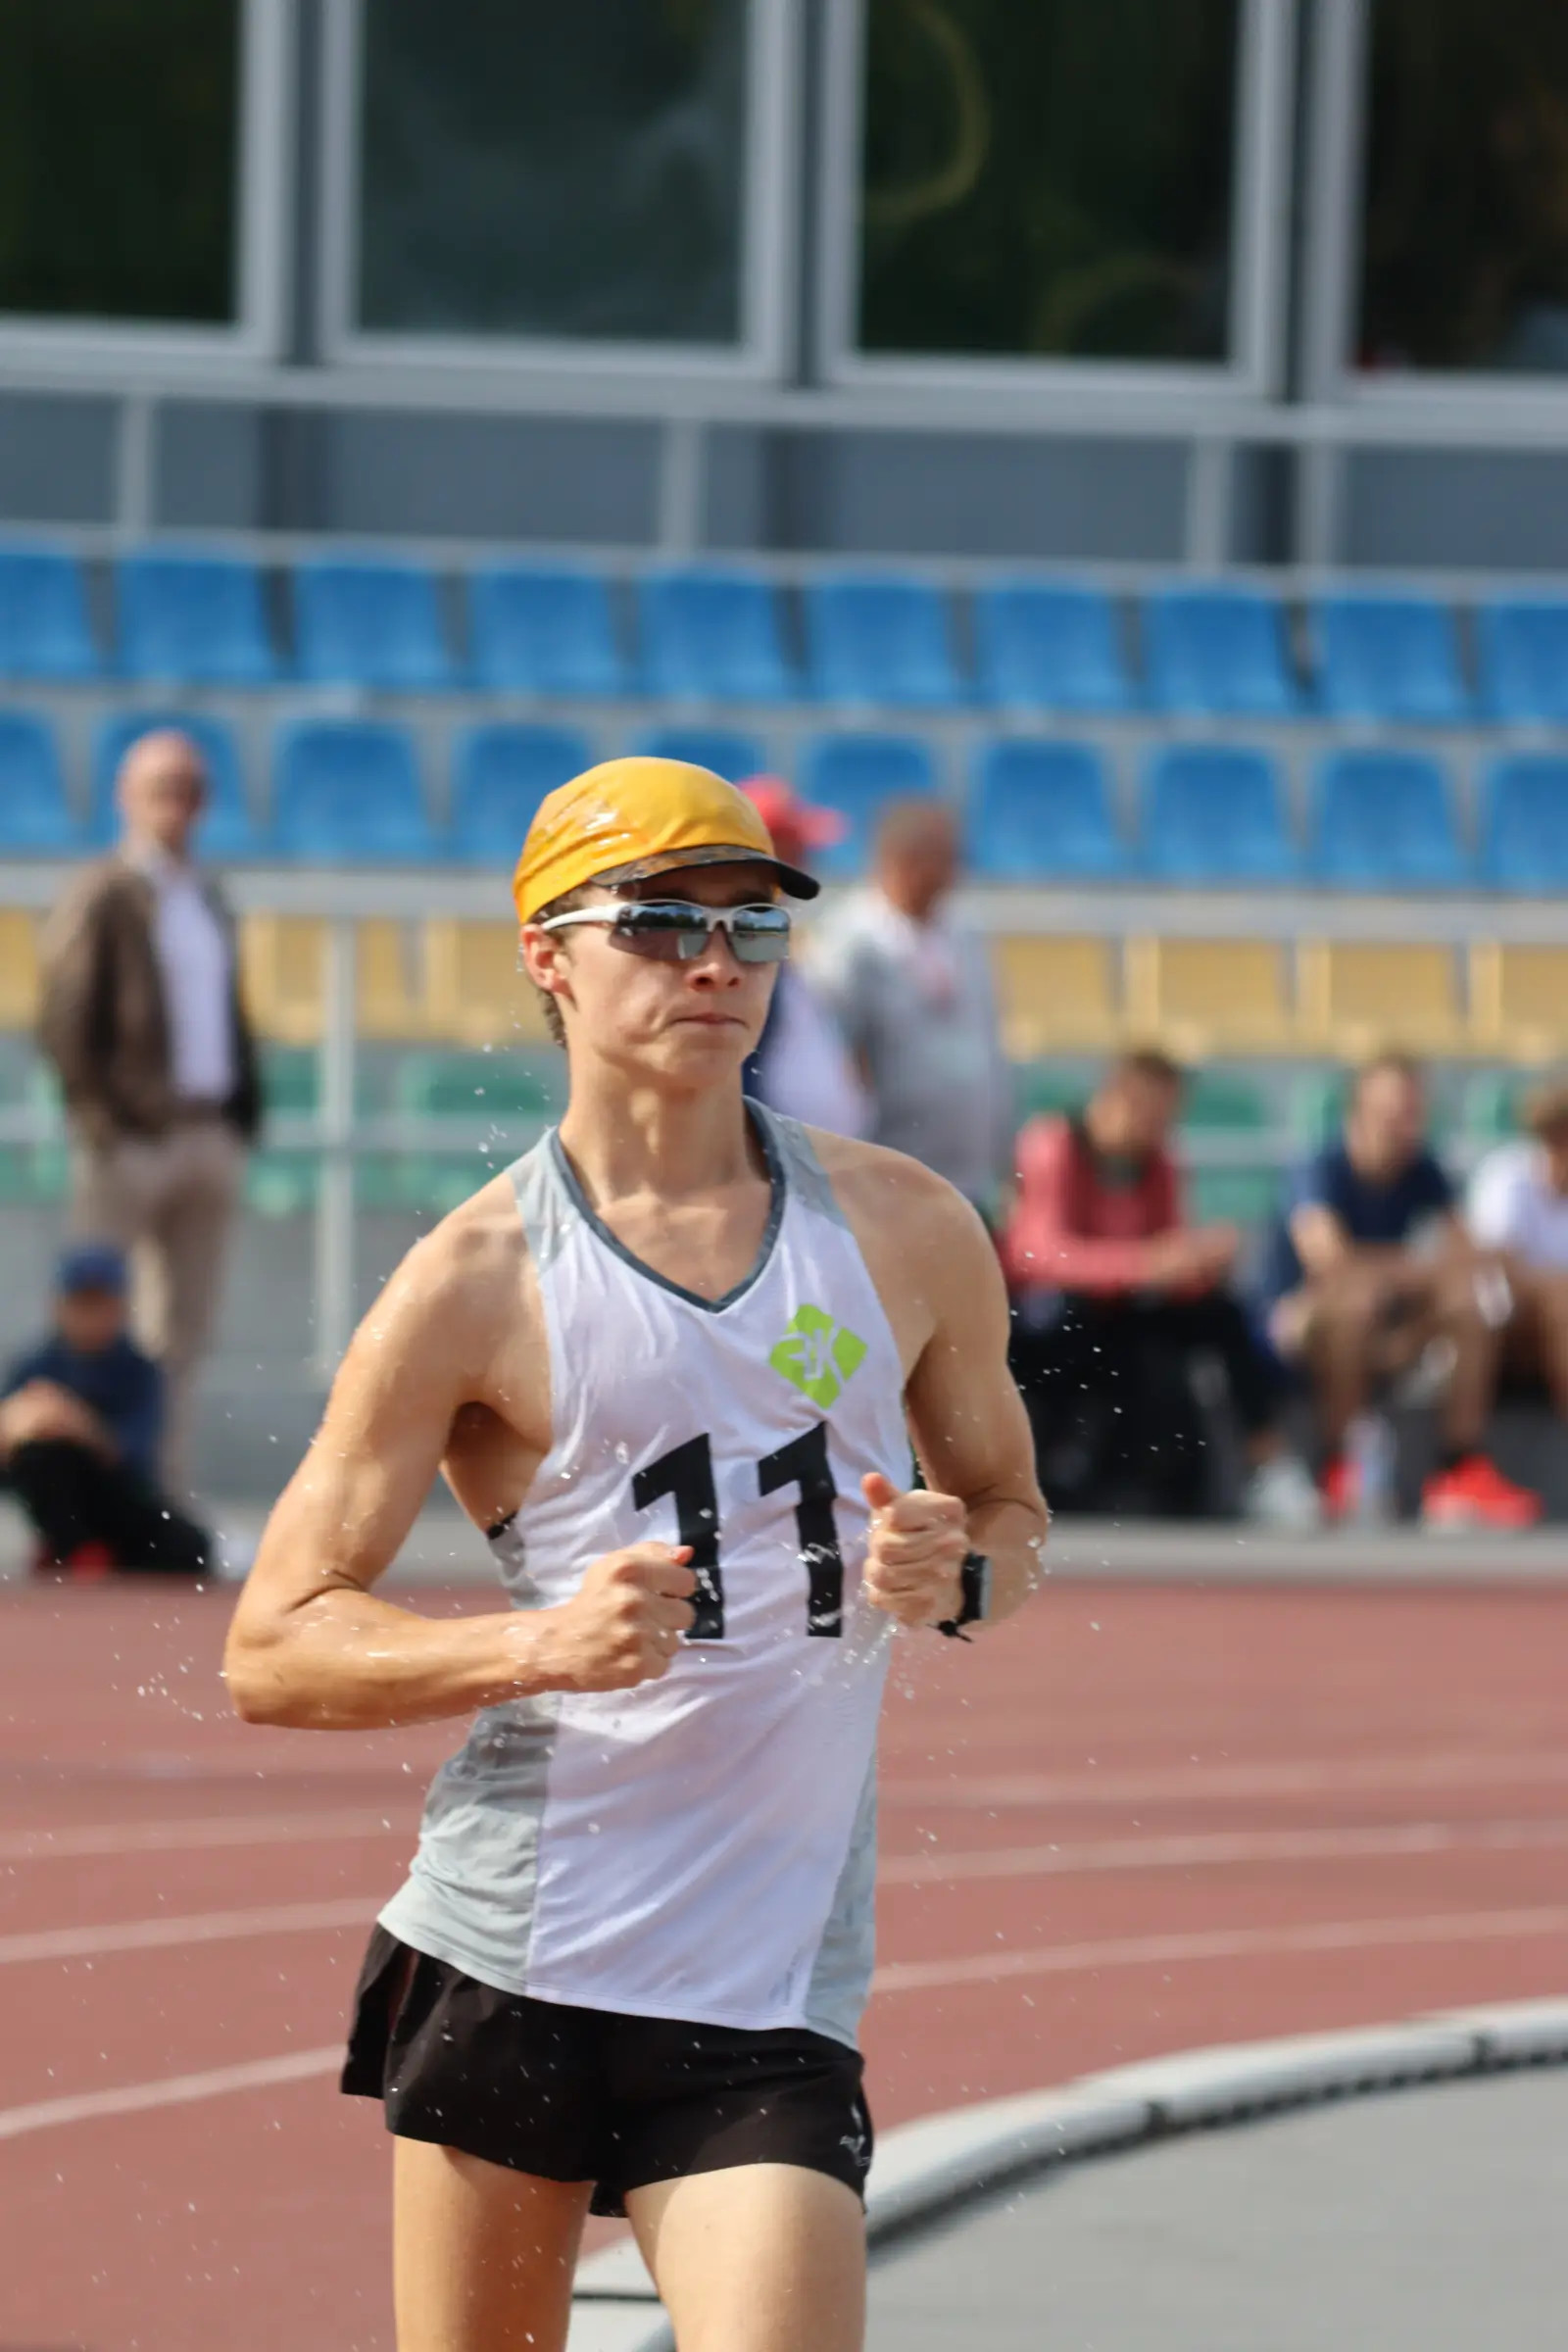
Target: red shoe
{"points": [[89, 1564], [1338, 1485], [1475, 1493]]}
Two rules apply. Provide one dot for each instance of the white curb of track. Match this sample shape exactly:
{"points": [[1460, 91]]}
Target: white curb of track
{"points": [[925, 2166]]}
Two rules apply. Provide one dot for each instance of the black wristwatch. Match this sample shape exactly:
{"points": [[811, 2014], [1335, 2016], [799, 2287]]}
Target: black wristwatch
{"points": [[975, 1581]]}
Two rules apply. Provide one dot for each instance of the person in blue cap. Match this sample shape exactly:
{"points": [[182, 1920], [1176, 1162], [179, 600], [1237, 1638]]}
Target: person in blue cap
{"points": [[81, 1419]]}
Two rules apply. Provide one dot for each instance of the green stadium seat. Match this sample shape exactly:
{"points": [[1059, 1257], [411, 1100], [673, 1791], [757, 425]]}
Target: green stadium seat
{"points": [[1232, 1196], [1045, 1091], [1224, 1102], [475, 1088]]}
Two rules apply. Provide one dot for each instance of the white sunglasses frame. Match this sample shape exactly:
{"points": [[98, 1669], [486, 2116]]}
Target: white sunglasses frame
{"points": [[715, 918]]}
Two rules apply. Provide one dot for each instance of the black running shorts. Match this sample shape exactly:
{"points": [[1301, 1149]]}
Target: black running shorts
{"points": [[586, 2094]]}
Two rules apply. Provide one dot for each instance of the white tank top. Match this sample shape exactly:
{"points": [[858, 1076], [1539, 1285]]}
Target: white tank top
{"points": [[700, 1847]]}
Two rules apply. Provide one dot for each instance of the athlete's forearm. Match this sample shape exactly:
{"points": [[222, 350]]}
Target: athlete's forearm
{"points": [[1012, 1536], [345, 1660]]}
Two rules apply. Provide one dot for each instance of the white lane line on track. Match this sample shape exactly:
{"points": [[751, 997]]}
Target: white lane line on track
{"points": [[1182, 1784], [1226, 1943], [81, 1841], [1222, 1847], [1114, 1854], [174, 2090], [202, 1926]]}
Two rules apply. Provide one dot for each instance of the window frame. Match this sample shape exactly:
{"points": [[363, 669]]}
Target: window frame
{"points": [[768, 259], [1335, 191], [1264, 137], [264, 229]]}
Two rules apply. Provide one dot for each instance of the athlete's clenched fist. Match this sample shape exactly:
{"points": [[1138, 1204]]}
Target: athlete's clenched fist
{"points": [[623, 1624], [913, 1566]]}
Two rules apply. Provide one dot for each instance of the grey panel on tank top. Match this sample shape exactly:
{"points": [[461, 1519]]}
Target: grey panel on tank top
{"points": [[543, 1203], [470, 1899], [841, 1975], [804, 1172]]}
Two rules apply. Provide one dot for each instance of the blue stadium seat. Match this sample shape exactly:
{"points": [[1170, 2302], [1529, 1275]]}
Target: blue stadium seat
{"points": [[880, 640], [347, 793], [1385, 822], [228, 830], [35, 817], [1214, 813], [856, 775], [725, 750], [714, 635], [544, 629], [1524, 658], [1391, 657], [1524, 824], [44, 616], [191, 618], [1041, 811], [499, 775], [1047, 645], [369, 621], [1216, 651]]}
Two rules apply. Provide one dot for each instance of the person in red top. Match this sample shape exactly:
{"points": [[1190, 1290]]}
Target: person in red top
{"points": [[1115, 1293]]}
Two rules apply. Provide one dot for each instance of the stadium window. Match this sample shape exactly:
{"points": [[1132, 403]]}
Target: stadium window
{"points": [[553, 180], [1051, 181], [1464, 258], [142, 157]]}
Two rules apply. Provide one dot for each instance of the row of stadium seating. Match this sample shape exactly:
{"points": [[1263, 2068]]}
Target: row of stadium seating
{"points": [[456, 983], [346, 790], [728, 634]]}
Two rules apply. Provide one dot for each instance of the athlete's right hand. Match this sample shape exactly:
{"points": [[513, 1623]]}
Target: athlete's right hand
{"points": [[623, 1625]]}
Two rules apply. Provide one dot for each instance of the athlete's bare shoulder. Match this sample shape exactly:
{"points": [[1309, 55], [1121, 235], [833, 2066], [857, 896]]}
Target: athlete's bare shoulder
{"points": [[920, 1237]]}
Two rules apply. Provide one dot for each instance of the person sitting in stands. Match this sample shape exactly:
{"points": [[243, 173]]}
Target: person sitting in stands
{"points": [[1371, 1275], [1518, 1206], [1116, 1293], [81, 1419]]}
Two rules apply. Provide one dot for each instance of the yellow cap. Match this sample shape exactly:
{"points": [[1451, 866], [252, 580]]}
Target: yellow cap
{"points": [[629, 819]]}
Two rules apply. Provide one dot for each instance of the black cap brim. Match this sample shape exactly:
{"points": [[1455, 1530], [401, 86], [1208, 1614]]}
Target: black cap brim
{"points": [[791, 878]]}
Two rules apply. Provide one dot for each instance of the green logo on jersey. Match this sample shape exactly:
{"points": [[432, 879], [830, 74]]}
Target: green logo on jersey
{"points": [[817, 1355]]}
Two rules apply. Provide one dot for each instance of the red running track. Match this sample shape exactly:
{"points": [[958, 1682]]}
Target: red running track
{"points": [[1136, 1821]]}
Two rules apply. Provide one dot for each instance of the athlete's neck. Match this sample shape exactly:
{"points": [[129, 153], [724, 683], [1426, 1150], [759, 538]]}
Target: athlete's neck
{"points": [[624, 1140]]}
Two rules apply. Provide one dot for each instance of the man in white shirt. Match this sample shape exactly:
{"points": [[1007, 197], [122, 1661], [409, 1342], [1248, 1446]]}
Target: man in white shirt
{"points": [[803, 1067], [911, 989], [1518, 1206], [143, 1022]]}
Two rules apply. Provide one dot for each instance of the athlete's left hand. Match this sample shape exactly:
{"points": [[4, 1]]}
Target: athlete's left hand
{"points": [[916, 1553]]}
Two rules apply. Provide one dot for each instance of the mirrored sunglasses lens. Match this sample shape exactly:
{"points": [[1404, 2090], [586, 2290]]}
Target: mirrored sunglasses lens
{"points": [[760, 934], [672, 933]]}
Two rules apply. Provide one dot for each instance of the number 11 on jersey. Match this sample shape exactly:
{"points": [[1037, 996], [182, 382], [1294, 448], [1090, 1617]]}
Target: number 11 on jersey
{"points": [[686, 1473]]}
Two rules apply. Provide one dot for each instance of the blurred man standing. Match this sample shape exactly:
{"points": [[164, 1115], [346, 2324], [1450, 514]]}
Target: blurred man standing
{"points": [[911, 989], [802, 1066], [142, 1018], [1369, 1266], [1116, 1292]]}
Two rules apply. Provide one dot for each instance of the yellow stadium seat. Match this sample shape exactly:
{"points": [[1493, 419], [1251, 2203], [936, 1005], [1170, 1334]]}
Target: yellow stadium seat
{"points": [[1057, 996], [18, 969], [1356, 997], [391, 965], [1519, 1000], [283, 973], [1210, 996], [477, 995]]}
